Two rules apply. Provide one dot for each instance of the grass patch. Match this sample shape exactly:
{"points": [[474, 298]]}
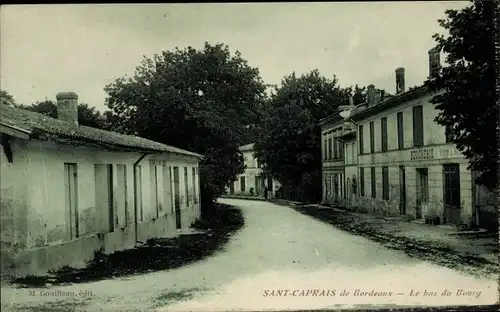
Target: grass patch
{"points": [[155, 255]]}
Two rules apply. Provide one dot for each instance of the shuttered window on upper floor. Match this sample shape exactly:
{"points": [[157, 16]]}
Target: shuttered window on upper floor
{"points": [[418, 126], [330, 148], [360, 140], [372, 137], [383, 126], [325, 150], [400, 130]]}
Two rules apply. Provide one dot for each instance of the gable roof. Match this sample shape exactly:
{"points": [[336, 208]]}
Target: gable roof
{"points": [[332, 119], [247, 147], [30, 125], [363, 111]]}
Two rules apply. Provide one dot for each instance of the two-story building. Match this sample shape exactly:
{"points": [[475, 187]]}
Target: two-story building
{"points": [[252, 181], [406, 161], [348, 138], [332, 159]]}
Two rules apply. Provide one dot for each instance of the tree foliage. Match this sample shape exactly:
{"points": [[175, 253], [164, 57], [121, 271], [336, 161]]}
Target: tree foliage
{"points": [[6, 98], [87, 116], [290, 146], [468, 103], [200, 100]]}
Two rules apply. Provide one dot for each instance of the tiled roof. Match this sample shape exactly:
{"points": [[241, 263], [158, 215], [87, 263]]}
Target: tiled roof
{"points": [[39, 125]]}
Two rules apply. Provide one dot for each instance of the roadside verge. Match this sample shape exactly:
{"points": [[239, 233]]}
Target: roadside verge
{"points": [[475, 253]]}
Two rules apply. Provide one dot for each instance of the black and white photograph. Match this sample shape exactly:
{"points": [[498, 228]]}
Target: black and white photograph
{"points": [[272, 156]]}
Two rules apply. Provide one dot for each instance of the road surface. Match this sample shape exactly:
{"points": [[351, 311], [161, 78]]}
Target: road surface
{"points": [[281, 259]]}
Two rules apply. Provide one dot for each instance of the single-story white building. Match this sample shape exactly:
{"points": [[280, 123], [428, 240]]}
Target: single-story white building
{"points": [[68, 190]]}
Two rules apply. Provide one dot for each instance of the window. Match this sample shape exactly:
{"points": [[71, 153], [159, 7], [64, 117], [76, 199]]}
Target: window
{"points": [[372, 137], [418, 126], [195, 198], [325, 155], [329, 148], [383, 127], [385, 183], [258, 164], [400, 130], [361, 147], [186, 185], [341, 149], [353, 153], [447, 134], [153, 174], [335, 149], [362, 181], [347, 156], [242, 183], [71, 198], [374, 184]]}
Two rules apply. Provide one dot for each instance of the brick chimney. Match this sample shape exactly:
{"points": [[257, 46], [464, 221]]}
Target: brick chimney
{"points": [[400, 80], [67, 107], [370, 95], [434, 61]]}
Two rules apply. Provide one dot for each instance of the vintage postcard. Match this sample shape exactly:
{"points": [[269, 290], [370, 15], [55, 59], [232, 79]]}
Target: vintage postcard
{"points": [[249, 156]]}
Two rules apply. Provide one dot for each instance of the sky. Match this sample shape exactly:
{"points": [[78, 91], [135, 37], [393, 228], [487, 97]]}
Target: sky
{"points": [[46, 49]]}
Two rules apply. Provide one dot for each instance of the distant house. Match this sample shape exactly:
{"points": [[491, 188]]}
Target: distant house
{"points": [[68, 190], [332, 159], [253, 177]]}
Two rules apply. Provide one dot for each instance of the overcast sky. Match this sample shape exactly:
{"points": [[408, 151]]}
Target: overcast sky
{"points": [[46, 49]]}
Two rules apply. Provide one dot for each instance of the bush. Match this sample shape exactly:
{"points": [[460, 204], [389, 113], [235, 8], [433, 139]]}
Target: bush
{"points": [[201, 224]]}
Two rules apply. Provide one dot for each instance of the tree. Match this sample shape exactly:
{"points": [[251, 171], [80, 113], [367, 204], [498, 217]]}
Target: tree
{"points": [[467, 106], [6, 98], [290, 148], [358, 94], [199, 100], [87, 116]]}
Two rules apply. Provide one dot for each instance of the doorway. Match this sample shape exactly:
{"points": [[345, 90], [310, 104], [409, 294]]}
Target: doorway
{"points": [[242, 184], [71, 190], [422, 190], [451, 200], [335, 186], [177, 203], [402, 190], [270, 184]]}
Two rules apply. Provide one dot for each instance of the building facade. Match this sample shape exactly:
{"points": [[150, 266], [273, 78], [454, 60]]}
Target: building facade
{"points": [[332, 149], [252, 181], [406, 163], [348, 138], [69, 190]]}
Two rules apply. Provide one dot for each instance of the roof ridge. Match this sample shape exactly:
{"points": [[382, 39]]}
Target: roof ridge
{"points": [[29, 120]]}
